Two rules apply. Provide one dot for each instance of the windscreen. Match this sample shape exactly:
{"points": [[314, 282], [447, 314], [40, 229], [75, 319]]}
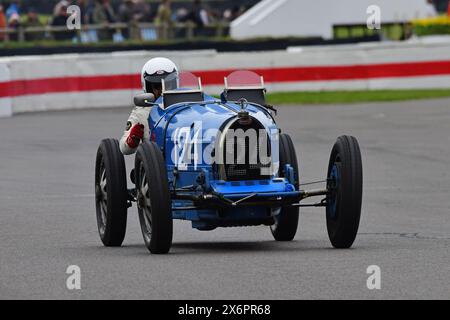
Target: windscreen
{"points": [[184, 81], [170, 81], [244, 79], [189, 81], [189, 89]]}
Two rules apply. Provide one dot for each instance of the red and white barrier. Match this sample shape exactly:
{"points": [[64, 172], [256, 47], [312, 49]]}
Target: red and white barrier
{"points": [[111, 80], [5, 100]]}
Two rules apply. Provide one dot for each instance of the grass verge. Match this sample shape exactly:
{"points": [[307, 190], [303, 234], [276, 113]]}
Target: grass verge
{"points": [[331, 97]]}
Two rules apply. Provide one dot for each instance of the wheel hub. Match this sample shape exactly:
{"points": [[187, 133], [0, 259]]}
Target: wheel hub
{"points": [[141, 201], [98, 192], [333, 185]]}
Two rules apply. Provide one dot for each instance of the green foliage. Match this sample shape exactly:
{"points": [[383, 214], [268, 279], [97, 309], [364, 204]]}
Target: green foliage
{"points": [[432, 26], [336, 97], [431, 30]]}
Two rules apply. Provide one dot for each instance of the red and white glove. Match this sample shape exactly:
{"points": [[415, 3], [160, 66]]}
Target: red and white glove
{"points": [[135, 136]]}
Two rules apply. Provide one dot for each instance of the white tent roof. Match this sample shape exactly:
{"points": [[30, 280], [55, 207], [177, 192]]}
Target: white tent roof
{"points": [[306, 18]]}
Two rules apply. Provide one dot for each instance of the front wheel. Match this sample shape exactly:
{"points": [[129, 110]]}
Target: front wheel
{"points": [[286, 222], [153, 197], [345, 185]]}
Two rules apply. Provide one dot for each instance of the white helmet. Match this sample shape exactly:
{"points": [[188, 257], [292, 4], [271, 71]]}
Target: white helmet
{"points": [[156, 70]]}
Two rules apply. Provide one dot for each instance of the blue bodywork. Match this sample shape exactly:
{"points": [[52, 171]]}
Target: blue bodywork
{"points": [[223, 203]]}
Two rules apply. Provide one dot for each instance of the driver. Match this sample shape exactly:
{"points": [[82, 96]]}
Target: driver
{"points": [[153, 72]]}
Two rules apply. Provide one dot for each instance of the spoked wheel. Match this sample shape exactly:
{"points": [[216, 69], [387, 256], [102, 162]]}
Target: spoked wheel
{"points": [[345, 184], [286, 222], [102, 199], [110, 193], [154, 202], [145, 205]]}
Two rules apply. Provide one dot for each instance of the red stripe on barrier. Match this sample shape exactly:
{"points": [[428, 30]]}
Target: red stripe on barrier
{"points": [[18, 88], [356, 72]]}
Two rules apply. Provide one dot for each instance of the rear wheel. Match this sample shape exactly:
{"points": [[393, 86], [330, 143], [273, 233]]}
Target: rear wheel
{"points": [[286, 222], [111, 193], [345, 182], [154, 202]]}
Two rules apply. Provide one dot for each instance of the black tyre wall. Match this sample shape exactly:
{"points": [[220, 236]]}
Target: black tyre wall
{"points": [[109, 153], [343, 227], [151, 158], [286, 224]]}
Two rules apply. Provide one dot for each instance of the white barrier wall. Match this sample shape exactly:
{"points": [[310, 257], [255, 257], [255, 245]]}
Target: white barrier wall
{"points": [[71, 81], [85, 68]]}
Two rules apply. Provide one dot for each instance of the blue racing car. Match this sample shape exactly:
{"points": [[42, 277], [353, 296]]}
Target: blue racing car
{"points": [[220, 162]]}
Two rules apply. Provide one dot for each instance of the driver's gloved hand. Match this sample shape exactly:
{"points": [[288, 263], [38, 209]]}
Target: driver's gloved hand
{"points": [[135, 136]]}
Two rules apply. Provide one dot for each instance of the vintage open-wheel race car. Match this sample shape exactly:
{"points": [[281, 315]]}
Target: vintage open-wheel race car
{"points": [[220, 162]]}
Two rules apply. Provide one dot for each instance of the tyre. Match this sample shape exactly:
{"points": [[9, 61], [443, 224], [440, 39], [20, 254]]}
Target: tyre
{"points": [[154, 202], [111, 193], [286, 222], [345, 183]]}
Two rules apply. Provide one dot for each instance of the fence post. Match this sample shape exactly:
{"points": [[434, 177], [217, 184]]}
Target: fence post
{"points": [[219, 30], [165, 32], [134, 31], [189, 31], [21, 34]]}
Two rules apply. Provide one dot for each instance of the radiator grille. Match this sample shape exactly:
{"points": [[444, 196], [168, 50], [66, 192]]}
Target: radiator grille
{"points": [[242, 154]]}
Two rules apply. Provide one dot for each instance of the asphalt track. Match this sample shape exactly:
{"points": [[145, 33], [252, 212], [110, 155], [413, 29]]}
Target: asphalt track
{"points": [[47, 217]]}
